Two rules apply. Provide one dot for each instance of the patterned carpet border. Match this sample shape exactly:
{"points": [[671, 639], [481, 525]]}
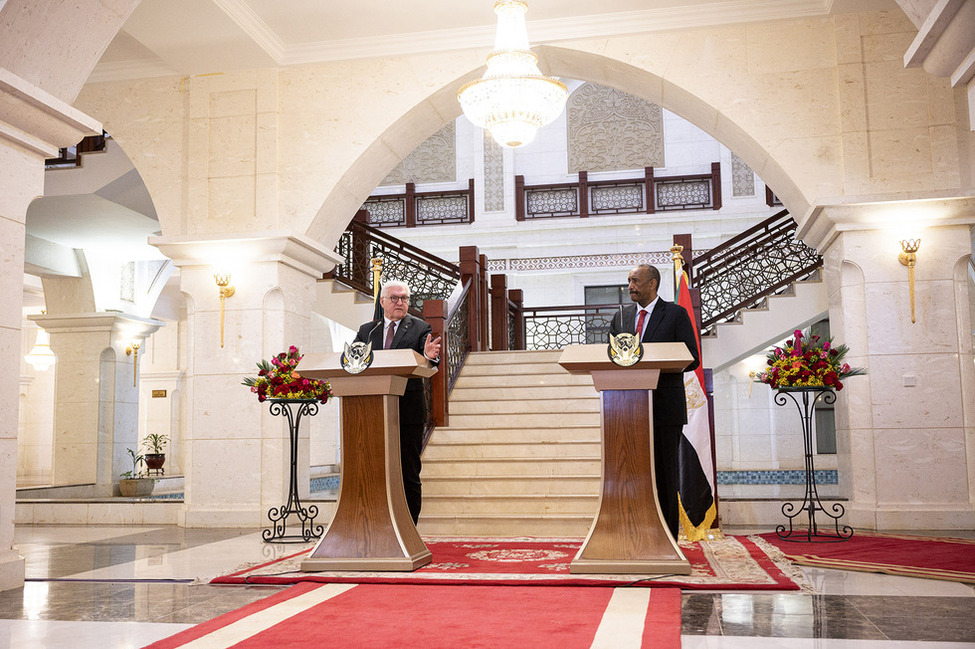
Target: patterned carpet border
{"points": [[732, 563], [905, 555]]}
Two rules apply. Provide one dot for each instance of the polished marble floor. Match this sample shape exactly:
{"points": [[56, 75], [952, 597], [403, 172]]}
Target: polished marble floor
{"points": [[107, 587]]}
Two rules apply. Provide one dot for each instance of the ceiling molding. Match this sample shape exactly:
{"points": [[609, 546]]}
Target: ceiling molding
{"points": [[127, 70], [543, 31], [252, 25]]}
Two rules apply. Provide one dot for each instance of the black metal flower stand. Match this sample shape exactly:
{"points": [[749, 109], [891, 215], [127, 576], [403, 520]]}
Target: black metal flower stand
{"points": [[811, 502], [294, 410]]}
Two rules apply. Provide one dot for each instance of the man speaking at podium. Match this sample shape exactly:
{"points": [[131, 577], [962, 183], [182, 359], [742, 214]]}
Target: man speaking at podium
{"points": [[399, 330], [659, 321]]}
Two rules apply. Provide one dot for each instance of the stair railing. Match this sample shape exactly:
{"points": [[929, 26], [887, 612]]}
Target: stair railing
{"points": [[429, 276], [740, 273]]}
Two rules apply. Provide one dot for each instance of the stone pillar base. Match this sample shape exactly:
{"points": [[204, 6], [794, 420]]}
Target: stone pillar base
{"points": [[11, 570], [224, 516]]}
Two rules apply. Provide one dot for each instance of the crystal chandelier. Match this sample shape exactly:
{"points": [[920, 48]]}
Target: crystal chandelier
{"points": [[513, 99]]}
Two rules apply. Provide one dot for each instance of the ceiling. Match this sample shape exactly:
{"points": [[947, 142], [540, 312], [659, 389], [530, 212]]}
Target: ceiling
{"points": [[187, 37]]}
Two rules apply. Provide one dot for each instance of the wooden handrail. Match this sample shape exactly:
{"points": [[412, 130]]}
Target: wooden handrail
{"points": [[737, 239]]}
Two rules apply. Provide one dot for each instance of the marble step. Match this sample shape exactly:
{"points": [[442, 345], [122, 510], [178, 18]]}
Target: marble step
{"points": [[454, 434], [510, 466], [500, 392], [513, 505], [507, 484], [542, 369], [527, 420], [551, 449], [523, 406], [544, 356], [469, 380]]}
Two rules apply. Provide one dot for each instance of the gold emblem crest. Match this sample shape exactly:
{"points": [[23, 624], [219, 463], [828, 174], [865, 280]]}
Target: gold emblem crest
{"points": [[357, 357], [624, 349]]}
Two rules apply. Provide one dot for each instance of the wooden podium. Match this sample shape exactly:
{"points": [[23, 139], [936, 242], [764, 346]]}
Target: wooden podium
{"points": [[628, 534], [372, 528]]}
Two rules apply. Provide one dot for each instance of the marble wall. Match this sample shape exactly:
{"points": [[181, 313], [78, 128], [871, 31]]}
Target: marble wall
{"points": [[905, 435]]}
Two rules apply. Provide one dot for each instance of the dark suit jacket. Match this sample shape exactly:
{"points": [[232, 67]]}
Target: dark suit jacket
{"points": [[668, 322], [410, 334]]}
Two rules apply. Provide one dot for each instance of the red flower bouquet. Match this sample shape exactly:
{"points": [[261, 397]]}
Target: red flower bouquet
{"points": [[805, 361], [279, 380]]}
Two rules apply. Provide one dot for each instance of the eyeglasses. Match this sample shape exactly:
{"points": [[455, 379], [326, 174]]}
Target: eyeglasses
{"points": [[398, 298]]}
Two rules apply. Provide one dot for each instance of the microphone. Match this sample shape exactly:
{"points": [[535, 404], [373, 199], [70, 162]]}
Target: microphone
{"points": [[373, 330]]}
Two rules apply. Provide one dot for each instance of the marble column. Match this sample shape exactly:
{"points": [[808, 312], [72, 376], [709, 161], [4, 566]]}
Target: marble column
{"points": [[33, 124], [906, 431], [236, 455], [96, 412]]}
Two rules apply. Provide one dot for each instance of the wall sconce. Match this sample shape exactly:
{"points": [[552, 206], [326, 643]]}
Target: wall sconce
{"points": [[226, 290], [41, 357], [909, 259], [133, 350]]}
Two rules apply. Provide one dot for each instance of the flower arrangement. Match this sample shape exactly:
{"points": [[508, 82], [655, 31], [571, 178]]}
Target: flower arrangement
{"points": [[279, 380], [804, 361]]}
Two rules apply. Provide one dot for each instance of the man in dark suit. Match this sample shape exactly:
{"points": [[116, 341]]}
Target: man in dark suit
{"points": [[661, 321], [400, 330]]}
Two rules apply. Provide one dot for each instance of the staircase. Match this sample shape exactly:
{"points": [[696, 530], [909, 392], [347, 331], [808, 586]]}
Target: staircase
{"points": [[343, 304], [521, 456], [799, 305]]}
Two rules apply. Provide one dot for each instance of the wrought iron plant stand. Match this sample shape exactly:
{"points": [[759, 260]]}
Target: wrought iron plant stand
{"points": [[811, 502], [293, 409]]}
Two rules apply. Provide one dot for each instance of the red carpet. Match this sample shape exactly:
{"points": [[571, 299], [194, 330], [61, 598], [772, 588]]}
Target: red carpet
{"points": [[894, 554], [734, 563], [381, 616]]}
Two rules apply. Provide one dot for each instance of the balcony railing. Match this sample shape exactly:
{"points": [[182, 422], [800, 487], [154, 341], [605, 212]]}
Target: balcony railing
{"points": [[412, 208], [645, 195]]}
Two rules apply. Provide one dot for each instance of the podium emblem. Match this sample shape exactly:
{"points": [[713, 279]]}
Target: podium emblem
{"points": [[624, 349], [357, 357]]}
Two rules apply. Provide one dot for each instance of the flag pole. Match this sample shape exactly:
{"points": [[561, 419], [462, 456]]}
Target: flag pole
{"points": [[675, 251], [709, 527]]}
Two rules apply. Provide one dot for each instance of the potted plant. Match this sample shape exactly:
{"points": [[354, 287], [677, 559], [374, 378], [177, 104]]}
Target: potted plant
{"points": [[154, 445], [135, 483]]}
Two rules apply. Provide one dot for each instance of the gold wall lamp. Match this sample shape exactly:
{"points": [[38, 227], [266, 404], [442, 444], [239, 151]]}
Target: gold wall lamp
{"points": [[226, 290], [133, 351], [909, 258], [41, 357]]}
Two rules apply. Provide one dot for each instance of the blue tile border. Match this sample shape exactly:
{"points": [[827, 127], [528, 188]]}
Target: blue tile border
{"points": [[325, 483], [826, 476], [776, 477]]}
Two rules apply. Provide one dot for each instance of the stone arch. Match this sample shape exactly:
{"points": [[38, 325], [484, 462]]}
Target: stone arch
{"points": [[57, 48], [442, 106]]}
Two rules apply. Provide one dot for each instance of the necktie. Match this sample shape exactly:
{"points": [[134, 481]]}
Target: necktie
{"points": [[639, 324], [389, 335]]}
